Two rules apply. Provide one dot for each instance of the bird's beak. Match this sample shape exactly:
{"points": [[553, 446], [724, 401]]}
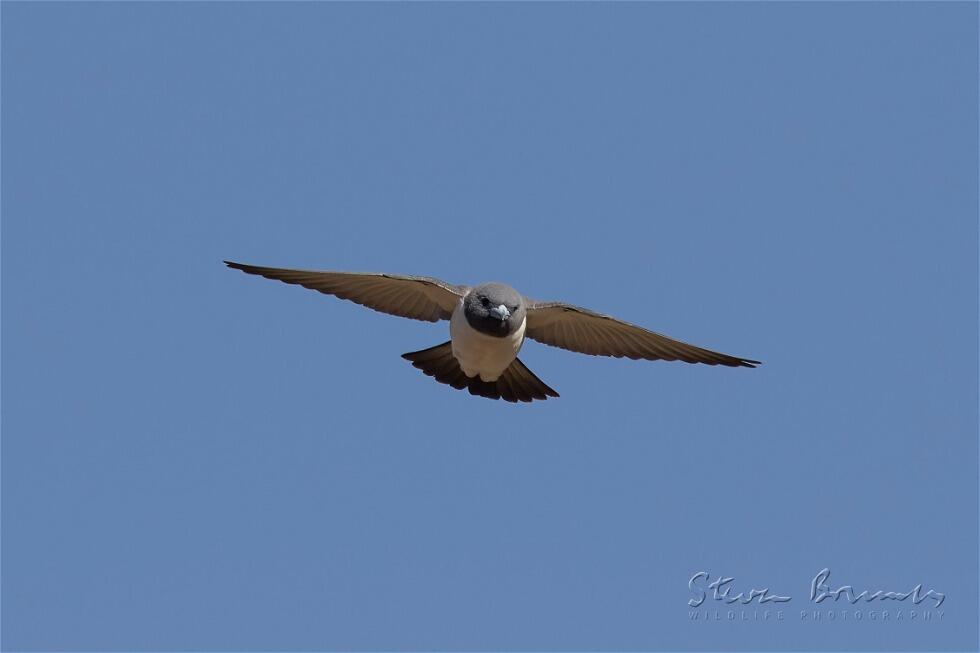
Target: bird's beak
{"points": [[500, 312]]}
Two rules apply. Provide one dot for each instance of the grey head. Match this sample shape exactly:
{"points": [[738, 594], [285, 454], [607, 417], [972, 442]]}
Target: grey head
{"points": [[495, 309]]}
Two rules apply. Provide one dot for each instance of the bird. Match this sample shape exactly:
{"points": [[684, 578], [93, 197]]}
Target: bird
{"points": [[488, 325]]}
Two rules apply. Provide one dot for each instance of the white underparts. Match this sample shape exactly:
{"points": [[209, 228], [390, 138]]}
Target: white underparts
{"points": [[480, 354]]}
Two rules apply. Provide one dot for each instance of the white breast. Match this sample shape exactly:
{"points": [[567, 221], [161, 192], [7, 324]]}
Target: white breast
{"points": [[480, 354]]}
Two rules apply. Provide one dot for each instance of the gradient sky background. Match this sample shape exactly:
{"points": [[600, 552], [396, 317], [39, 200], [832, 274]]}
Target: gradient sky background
{"points": [[196, 459]]}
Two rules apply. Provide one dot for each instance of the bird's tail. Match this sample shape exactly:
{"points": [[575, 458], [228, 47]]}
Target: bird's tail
{"points": [[517, 383]]}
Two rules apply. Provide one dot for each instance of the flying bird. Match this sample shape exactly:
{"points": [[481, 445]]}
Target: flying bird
{"points": [[488, 325]]}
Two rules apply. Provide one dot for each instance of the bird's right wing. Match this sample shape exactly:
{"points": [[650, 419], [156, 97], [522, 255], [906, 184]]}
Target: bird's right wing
{"points": [[417, 298], [587, 332]]}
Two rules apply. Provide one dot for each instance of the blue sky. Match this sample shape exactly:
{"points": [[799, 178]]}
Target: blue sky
{"points": [[194, 459]]}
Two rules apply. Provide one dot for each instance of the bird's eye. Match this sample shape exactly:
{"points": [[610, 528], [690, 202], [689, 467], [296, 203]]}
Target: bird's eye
{"points": [[485, 302]]}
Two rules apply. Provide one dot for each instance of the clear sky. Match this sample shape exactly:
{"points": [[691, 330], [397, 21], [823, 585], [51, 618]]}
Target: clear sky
{"points": [[194, 459]]}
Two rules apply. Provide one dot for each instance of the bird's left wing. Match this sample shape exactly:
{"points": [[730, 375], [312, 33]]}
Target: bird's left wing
{"points": [[587, 332], [417, 298]]}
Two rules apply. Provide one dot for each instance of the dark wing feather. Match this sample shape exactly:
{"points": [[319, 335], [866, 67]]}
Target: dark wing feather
{"points": [[417, 298], [587, 332]]}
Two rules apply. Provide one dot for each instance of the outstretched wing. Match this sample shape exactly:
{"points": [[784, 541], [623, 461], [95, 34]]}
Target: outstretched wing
{"points": [[417, 298], [587, 332]]}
